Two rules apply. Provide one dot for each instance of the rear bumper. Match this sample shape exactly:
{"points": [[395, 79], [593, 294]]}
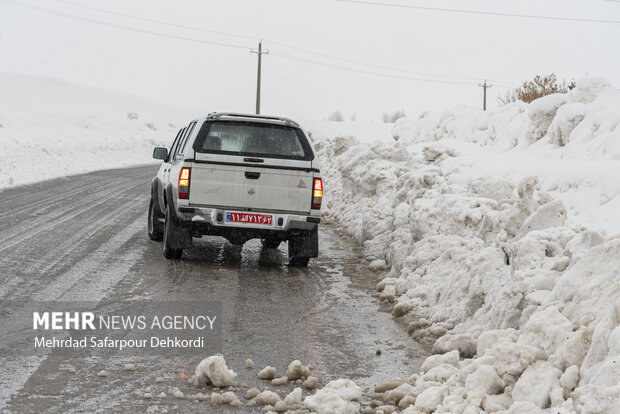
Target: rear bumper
{"points": [[214, 217]]}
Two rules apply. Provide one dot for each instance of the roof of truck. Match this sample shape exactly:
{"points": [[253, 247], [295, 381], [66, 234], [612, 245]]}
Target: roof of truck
{"points": [[252, 117]]}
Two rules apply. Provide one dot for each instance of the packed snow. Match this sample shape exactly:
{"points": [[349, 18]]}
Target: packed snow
{"points": [[499, 231]]}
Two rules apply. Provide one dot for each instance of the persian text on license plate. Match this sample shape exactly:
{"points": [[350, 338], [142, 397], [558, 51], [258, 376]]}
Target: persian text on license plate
{"points": [[249, 218]]}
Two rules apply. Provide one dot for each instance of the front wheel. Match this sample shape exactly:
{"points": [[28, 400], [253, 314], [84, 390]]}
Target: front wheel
{"points": [[170, 224], [155, 226]]}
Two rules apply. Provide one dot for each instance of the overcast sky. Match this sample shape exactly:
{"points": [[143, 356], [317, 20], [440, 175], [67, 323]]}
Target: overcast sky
{"points": [[426, 44]]}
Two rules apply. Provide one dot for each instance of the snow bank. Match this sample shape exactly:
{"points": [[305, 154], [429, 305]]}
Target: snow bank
{"points": [[583, 123], [50, 128], [485, 268], [571, 142]]}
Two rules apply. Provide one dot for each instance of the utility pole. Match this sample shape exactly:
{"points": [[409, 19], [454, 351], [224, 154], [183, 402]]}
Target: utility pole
{"points": [[485, 85], [259, 52]]}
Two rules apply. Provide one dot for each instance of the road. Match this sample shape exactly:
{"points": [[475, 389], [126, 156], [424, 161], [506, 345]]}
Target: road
{"points": [[84, 238]]}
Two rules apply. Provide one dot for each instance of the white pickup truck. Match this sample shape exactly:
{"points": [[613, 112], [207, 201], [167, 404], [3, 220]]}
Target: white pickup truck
{"points": [[240, 177]]}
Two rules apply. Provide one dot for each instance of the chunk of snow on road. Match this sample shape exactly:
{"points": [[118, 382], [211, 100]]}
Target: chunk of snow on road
{"points": [[216, 398], [279, 407], [338, 396], [267, 373], [215, 371], [279, 381], [310, 382], [251, 393], [267, 398], [296, 370], [228, 397], [294, 397]]}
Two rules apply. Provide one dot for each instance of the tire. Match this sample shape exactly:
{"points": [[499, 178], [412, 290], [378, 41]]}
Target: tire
{"points": [[170, 228], [271, 243], [155, 227]]}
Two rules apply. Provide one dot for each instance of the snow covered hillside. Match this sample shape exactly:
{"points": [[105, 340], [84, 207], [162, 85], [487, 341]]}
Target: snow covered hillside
{"points": [[51, 128], [479, 219]]}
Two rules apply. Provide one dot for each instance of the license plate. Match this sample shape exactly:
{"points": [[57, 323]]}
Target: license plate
{"points": [[249, 218]]}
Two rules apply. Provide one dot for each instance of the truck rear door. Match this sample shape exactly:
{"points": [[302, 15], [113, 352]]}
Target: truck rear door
{"points": [[252, 166]]}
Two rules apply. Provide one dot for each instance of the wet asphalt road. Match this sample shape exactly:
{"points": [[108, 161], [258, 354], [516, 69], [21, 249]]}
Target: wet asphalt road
{"points": [[84, 238]]}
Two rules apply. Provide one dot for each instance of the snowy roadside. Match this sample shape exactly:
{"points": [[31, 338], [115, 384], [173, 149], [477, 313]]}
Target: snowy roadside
{"points": [[51, 129], [489, 267]]}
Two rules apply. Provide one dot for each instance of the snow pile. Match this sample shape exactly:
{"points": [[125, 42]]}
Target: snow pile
{"points": [[583, 123], [50, 128], [495, 273], [339, 396], [571, 142], [213, 370]]}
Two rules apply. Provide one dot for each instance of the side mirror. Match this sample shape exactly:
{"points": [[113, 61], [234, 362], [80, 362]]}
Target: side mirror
{"points": [[160, 153]]}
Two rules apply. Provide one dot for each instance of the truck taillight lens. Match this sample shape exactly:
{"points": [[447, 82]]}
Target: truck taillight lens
{"points": [[184, 183], [317, 193]]}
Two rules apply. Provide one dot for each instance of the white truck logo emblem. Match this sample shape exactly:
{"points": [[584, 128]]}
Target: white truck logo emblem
{"points": [[251, 191], [301, 184]]}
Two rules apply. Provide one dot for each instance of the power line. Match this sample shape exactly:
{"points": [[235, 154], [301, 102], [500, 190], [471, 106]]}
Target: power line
{"points": [[357, 62], [146, 19], [485, 13], [200, 29], [315, 62], [282, 55], [119, 26], [368, 72]]}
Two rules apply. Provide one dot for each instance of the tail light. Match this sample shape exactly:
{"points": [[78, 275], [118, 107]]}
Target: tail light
{"points": [[317, 193], [184, 183]]}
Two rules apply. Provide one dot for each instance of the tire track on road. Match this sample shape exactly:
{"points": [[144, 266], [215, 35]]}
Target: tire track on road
{"points": [[88, 279]]}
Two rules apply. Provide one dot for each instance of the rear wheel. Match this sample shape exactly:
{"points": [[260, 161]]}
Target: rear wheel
{"points": [[302, 248], [271, 243], [155, 226], [170, 229]]}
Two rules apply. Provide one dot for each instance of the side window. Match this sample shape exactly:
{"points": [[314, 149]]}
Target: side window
{"points": [[183, 143], [175, 144]]}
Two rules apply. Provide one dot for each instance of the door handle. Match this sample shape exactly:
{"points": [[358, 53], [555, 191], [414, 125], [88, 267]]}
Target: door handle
{"points": [[252, 175]]}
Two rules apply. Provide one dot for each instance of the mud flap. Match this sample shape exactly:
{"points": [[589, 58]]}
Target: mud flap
{"points": [[305, 246], [180, 238], [177, 237]]}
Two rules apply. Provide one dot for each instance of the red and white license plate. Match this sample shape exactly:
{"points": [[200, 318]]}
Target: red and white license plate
{"points": [[249, 218]]}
